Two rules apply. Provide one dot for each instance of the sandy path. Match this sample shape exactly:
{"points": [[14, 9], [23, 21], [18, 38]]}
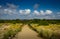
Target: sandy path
{"points": [[27, 33]]}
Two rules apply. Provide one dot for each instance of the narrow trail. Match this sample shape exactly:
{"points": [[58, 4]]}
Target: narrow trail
{"points": [[27, 33]]}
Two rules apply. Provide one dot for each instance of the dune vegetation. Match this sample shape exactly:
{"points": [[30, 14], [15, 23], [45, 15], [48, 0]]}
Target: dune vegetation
{"points": [[8, 30], [47, 29], [51, 31]]}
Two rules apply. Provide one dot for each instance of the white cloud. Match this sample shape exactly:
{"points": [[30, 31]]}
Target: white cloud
{"points": [[36, 6], [12, 6], [12, 9], [36, 12], [1, 11], [0, 6], [26, 11], [21, 11], [42, 12], [5, 11], [58, 13], [9, 9], [48, 12]]}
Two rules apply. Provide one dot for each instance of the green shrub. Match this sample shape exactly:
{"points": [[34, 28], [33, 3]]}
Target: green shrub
{"points": [[49, 35], [8, 34]]}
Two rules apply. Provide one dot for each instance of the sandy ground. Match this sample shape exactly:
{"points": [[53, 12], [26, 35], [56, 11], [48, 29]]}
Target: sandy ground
{"points": [[27, 33]]}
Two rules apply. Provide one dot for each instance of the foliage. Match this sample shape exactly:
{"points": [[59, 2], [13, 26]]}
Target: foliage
{"points": [[48, 32], [35, 21], [10, 30]]}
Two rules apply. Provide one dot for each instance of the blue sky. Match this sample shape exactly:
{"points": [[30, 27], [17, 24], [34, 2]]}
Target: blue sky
{"points": [[29, 9]]}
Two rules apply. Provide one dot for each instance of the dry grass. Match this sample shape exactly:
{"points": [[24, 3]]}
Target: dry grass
{"points": [[9, 30], [51, 31]]}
